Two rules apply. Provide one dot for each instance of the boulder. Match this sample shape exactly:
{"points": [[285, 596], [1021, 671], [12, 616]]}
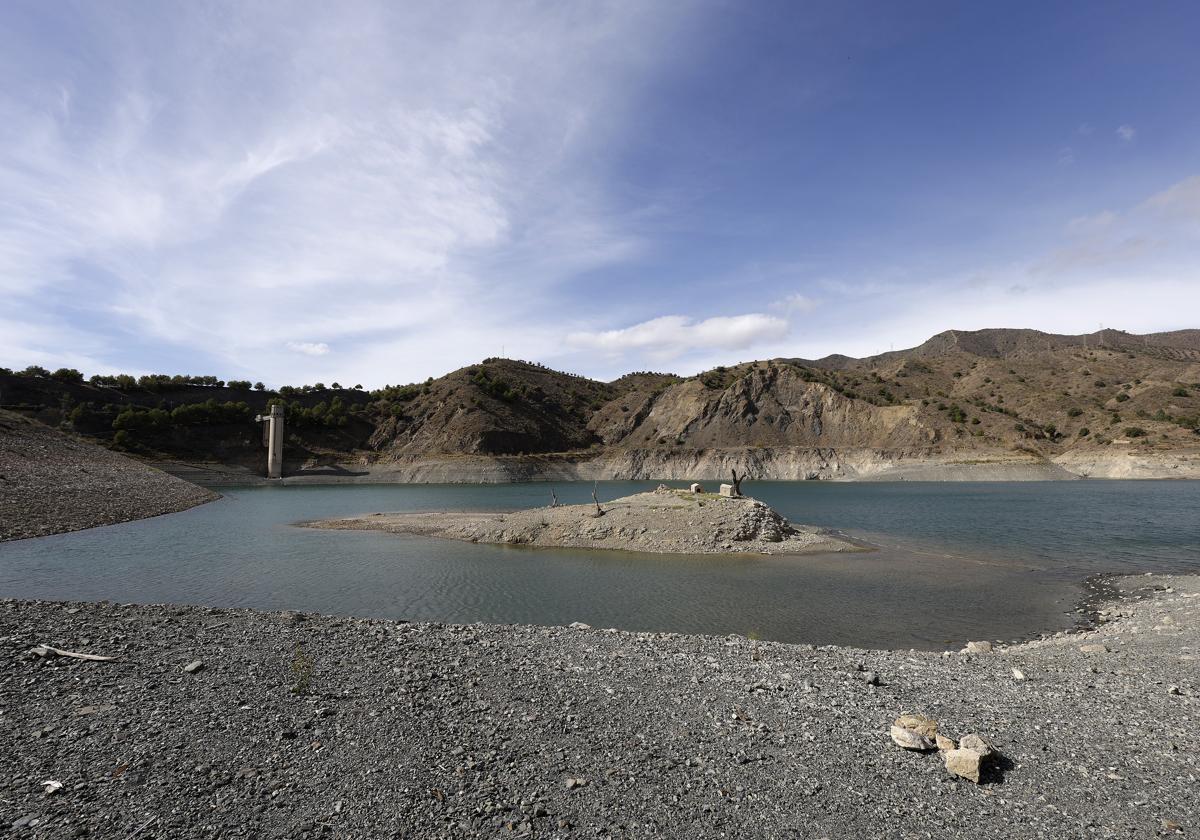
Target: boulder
{"points": [[964, 763], [979, 647], [944, 744], [910, 739], [974, 742], [917, 723], [971, 758], [914, 732]]}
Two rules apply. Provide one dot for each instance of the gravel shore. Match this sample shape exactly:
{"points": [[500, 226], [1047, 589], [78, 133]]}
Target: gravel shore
{"points": [[233, 723], [51, 483], [665, 521]]}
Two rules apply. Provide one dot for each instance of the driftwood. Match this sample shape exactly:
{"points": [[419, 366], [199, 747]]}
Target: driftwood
{"points": [[553, 499], [599, 510], [737, 483], [47, 650]]}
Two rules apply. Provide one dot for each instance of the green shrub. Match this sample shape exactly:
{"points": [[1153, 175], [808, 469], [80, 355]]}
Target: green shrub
{"points": [[1074, 412], [1084, 432], [1134, 431]]}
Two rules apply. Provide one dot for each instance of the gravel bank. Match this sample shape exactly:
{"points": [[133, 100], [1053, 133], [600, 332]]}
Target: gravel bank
{"points": [[51, 483], [665, 521], [310, 726]]}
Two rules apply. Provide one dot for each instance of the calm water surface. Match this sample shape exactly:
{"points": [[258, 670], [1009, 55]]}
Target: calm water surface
{"points": [[956, 561]]}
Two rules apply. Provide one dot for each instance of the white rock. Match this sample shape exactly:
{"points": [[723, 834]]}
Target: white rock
{"points": [[1018, 674]]}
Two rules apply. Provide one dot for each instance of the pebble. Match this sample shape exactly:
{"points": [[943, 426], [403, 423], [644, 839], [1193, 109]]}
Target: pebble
{"points": [[193, 666]]}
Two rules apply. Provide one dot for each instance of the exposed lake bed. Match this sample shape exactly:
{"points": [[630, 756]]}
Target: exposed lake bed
{"points": [[204, 721], [665, 521]]}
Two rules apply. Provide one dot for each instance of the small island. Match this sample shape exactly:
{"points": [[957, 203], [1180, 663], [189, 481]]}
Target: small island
{"points": [[663, 521]]}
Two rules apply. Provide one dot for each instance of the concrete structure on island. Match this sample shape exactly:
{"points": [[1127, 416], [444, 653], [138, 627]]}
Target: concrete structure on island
{"points": [[273, 440]]}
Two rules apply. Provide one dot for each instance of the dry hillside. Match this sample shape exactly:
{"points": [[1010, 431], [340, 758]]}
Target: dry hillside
{"points": [[959, 397], [959, 392], [51, 482]]}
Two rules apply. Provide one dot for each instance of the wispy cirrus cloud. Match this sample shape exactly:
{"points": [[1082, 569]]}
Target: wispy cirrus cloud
{"points": [[254, 183]]}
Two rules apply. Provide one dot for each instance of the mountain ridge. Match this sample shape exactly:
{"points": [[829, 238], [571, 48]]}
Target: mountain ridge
{"points": [[961, 396]]}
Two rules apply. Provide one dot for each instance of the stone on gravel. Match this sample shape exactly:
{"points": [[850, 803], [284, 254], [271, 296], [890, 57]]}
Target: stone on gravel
{"points": [[979, 647], [1093, 649], [944, 744], [964, 763], [917, 723], [1018, 674], [193, 666], [974, 742], [910, 739]]}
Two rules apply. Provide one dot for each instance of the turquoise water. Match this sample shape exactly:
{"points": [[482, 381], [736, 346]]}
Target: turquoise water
{"points": [[956, 561]]}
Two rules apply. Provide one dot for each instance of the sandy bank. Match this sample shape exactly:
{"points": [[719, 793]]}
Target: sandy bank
{"points": [[665, 521], [51, 483], [298, 726]]}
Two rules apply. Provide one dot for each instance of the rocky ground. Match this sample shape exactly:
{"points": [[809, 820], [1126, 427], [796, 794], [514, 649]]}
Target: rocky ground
{"points": [[665, 521], [219, 723], [51, 482]]}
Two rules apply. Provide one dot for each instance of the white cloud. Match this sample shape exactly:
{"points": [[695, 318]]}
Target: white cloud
{"points": [[1126, 132], [308, 348], [671, 336], [795, 304], [374, 172]]}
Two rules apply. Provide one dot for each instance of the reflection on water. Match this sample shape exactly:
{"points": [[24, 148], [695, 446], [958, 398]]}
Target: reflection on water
{"points": [[957, 561]]}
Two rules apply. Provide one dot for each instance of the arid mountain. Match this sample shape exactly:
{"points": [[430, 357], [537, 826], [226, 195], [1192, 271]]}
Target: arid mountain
{"points": [[959, 391], [961, 396]]}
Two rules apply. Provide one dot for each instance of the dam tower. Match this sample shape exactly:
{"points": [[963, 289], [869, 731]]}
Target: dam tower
{"points": [[273, 440]]}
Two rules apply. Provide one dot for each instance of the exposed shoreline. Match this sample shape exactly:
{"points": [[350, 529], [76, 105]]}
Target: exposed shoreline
{"points": [[53, 483], [761, 463], [666, 521], [443, 730]]}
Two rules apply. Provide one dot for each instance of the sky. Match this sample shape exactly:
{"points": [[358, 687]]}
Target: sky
{"points": [[377, 192]]}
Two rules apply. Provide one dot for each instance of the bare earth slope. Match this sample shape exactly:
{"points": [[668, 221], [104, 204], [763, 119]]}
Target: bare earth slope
{"points": [[51, 482], [664, 521], [337, 727]]}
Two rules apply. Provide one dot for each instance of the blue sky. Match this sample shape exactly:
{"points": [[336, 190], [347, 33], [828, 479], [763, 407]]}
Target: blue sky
{"points": [[379, 192]]}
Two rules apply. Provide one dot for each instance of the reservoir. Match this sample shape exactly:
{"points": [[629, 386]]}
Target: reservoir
{"points": [[953, 561]]}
